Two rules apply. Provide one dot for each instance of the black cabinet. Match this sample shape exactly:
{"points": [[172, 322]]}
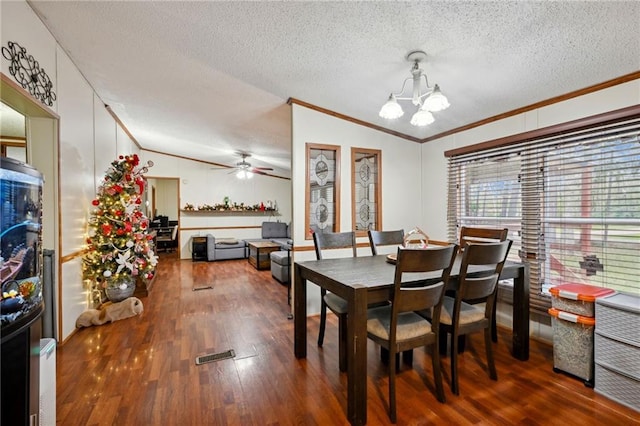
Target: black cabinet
{"points": [[198, 248]]}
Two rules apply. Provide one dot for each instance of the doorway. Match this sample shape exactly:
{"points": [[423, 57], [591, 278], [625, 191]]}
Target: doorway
{"points": [[162, 201]]}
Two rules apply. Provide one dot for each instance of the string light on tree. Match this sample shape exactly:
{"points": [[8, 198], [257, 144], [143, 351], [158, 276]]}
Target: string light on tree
{"points": [[119, 244]]}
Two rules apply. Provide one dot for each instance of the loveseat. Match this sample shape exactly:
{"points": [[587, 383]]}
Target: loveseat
{"points": [[275, 232], [225, 248], [231, 248]]}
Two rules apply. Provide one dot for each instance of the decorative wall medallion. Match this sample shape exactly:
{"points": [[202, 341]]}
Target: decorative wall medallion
{"points": [[322, 214], [27, 72], [321, 169]]}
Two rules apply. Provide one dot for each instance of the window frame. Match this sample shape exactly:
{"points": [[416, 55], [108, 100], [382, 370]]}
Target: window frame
{"points": [[533, 245], [309, 147], [377, 190]]}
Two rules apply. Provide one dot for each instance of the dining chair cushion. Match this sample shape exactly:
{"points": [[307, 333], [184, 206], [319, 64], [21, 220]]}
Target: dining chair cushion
{"points": [[410, 324], [336, 303], [468, 313]]}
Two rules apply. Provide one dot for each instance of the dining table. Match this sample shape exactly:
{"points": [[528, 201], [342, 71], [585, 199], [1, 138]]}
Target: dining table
{"points": [[369, 279]]}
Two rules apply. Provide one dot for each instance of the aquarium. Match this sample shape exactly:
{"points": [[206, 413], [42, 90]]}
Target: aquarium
{"points": [[20, 245]]}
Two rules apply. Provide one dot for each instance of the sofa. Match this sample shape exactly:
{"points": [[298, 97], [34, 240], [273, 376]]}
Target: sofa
{"points": [[225, 248], [275, 232], [231, 248]]}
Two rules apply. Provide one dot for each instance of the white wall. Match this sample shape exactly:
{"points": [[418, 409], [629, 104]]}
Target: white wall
{"points": [[200, 184], [85, 134], [401, 179]]}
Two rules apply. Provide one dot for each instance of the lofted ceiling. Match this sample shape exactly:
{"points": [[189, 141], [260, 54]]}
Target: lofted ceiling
{"points": [[206, 79]]}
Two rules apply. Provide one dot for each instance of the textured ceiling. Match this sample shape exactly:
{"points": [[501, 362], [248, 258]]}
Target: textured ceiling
{"points": [[207, 79]]}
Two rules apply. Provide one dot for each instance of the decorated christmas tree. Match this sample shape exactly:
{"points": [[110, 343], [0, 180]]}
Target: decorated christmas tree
{"points": [[120, 248]]}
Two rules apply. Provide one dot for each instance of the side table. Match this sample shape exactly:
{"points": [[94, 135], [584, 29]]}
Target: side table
{"points": [[259, 254]]}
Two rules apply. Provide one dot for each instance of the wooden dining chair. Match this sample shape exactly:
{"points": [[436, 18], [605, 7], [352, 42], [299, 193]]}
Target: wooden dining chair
{"points": [[397, 327], [482, 236], [458, 317], [385, 238], [331, 241]]}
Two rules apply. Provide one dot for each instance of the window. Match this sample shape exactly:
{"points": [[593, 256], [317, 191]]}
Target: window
{"points": [[365, 191], [322, 195], [570, 198]]}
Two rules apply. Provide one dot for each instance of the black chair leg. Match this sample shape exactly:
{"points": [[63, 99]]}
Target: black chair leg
{"points": [[323, 323], [442, 342], [407, 357], [494, 325], [461, 343], [384, 355]]}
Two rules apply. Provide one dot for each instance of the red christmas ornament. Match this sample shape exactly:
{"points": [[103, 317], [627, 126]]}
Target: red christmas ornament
{"points": [[119, 231], [96, 202], [106, 229], [140, 183]]}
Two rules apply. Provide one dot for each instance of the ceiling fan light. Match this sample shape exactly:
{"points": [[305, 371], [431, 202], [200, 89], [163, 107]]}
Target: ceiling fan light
{"points": [[422, 118], [244, 174], [391, 109], [436, 101]]}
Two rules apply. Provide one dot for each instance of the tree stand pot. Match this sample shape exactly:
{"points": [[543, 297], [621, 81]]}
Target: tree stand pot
{"points": [[117, 292]]}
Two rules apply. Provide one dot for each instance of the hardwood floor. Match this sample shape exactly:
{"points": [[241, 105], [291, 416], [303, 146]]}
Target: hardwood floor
{"points": [[141, 370]]}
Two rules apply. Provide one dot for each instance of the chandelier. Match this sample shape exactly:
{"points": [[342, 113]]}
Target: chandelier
{"points": [[427, 101]]}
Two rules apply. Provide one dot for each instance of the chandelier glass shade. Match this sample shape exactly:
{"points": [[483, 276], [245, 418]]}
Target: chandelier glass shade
{"points": [[422, 118], [427, 99], [391, 109]]}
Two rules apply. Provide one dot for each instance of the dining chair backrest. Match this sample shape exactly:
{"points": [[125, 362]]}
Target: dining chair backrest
{"points": [[334, 240], [477, 286], [481, 235], [414, 298], [385, 238]]}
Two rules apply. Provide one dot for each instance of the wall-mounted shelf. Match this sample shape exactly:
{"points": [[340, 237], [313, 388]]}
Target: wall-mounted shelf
{"points": [[231, 212]]}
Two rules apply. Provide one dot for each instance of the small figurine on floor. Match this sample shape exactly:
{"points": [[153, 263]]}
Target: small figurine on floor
{"points": [[110, 312]]}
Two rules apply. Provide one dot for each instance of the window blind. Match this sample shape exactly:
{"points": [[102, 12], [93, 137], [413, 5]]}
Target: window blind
{"points": [[570, 200]]}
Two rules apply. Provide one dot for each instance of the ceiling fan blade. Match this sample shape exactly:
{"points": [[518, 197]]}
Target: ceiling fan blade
{"points": [[262, 168], [259, 170]]}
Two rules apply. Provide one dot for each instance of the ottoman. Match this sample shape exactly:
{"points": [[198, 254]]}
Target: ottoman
{"points": [[280, 265]]}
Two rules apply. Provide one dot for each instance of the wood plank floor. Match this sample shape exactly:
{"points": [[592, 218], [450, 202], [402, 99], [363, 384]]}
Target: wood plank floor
{"points": [[141, 370]]}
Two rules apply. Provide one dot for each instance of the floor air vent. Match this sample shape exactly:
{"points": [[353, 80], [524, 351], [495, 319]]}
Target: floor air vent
{"points": [[215, 357], [208, 287]]}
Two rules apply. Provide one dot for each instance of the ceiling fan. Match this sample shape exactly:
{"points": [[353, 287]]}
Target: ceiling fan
{"points": [[244, 170]]}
